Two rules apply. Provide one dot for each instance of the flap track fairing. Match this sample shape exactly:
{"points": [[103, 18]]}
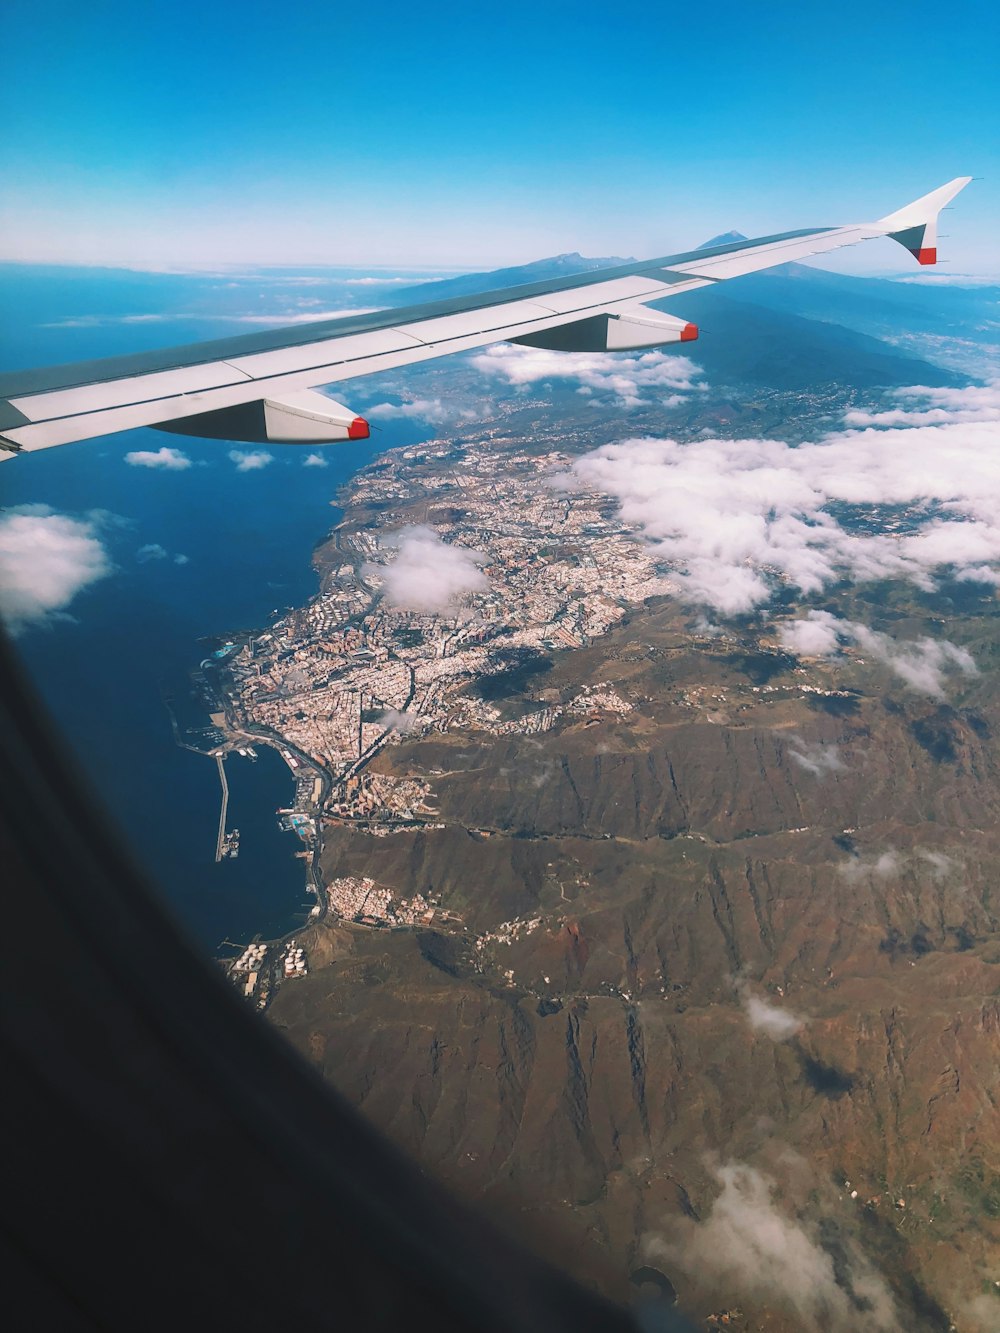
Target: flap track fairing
{"points": [[296, 418]]}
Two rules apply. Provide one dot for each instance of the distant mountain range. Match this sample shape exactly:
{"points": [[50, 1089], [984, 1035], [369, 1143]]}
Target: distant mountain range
{"points": [[793, 327], [468, 284]]}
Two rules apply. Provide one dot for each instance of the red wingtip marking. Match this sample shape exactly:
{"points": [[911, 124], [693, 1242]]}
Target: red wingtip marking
{"points": [[926, 256], [358, 429], [689, 333]]}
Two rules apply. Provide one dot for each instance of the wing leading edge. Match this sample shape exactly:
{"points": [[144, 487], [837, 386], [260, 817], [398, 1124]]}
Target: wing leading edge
{"points": [[207, 388]]}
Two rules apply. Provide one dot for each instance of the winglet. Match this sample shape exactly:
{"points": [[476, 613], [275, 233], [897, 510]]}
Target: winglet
{"points": [[915, 226]]}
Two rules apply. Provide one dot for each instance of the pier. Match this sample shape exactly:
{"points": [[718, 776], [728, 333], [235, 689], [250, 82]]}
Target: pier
{"points": [[220, 842]]}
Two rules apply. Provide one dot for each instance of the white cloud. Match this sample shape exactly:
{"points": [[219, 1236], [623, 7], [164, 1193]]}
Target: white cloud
{"points": [[770, 1019], [815, 757], [286, 317], [432, 410], [426, 573], [281, 317], [921, 664], [632, 379], [943, 407], [817, 635], [46, 558], [880, 865], [250, 460], [380, 282], [890, 863], [174, 460], [152, 551], [749, 1248], [182, 559], [314, 460], [733, 517], [946, 280]]}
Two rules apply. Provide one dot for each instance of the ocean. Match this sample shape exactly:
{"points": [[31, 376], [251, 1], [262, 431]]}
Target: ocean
{"points": [[197, 554]]}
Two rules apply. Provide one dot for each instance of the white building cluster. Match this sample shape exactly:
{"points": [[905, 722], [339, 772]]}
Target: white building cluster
{"points": [[370, 904]]}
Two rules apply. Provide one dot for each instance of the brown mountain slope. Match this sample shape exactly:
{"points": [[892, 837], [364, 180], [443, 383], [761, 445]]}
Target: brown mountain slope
{"points": [[738, 924]]}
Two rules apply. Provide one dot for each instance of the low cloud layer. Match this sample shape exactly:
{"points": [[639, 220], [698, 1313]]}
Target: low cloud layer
{"points": [[748, 1248], [426, 573], [631, 379], [734, 518], [923, 665], [173, 460], [46, 558], [250, 460]]}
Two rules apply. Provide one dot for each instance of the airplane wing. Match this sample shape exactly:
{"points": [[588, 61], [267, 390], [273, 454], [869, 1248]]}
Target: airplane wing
{"points": [[258, 387]]}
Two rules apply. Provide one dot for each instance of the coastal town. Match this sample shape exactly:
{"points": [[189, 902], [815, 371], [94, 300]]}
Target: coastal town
{"points": [[334, 682], [331, 684]]}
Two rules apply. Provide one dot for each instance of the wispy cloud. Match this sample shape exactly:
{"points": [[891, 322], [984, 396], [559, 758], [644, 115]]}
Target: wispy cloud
{"points": [[278, 317], [923, 665], [403, 723], [173, 460], [815, 757], [426, 573], [298, 317], [314, 460], [890, 863], [946, 280], [750, 1247], [153, 552], [381, 282], [877, 865], [250, 460], [46, 558]]}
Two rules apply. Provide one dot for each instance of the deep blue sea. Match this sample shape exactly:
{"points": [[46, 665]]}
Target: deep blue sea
{"points": [[246, 539]]}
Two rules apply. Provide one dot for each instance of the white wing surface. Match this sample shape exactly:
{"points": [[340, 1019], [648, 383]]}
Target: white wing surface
{"points": [[256, 387]]}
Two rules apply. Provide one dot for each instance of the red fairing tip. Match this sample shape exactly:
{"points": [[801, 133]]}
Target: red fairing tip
{"points": [[926, 256], [689, 333], [358, 429]]}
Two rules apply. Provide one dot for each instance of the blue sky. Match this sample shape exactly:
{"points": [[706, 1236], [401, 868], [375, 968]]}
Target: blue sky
{"points": [[457, 135]]}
